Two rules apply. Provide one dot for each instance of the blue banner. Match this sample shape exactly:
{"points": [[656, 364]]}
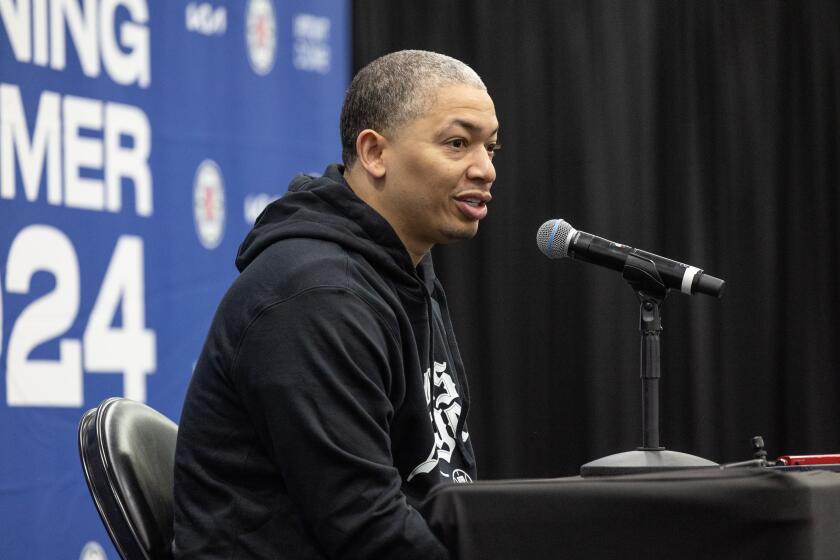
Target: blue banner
{"points": [[139, 140]]}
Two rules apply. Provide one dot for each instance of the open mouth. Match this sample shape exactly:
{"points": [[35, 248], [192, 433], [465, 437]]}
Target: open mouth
{"points": [[473, 207]]}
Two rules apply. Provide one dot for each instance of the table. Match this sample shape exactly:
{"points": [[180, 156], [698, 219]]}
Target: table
{"points": [[736, 514]]}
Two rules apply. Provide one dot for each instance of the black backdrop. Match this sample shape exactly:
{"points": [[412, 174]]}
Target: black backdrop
{"points": [[708, 132]]}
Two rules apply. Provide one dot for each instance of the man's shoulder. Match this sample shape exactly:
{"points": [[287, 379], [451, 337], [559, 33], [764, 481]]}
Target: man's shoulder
{"points": [[299, 263], [291, 267]]}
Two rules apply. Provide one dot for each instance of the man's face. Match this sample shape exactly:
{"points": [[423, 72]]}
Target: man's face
{"points": [[439, 169]]}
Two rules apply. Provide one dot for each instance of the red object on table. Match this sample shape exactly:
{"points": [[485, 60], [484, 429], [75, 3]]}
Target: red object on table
{"points": [[830, 459]]}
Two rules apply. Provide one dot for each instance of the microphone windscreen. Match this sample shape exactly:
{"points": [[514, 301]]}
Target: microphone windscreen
{"points": [[553, 238]]}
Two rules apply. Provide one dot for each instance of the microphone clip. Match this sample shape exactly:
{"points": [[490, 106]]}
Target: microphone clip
{"points": [[643, 277]]}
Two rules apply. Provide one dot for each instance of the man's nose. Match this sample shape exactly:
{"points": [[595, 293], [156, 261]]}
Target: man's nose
{"points": [[481, 167]]}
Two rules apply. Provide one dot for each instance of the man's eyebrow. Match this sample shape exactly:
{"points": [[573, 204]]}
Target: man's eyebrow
{"points": [[468, 125]]}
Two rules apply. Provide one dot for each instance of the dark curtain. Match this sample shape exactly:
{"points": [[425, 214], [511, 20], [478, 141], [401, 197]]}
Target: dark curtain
{"points": [[704, 131]]}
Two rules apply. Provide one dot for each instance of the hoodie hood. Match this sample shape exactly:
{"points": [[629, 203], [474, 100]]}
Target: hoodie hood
{"points": [[326, 208]]}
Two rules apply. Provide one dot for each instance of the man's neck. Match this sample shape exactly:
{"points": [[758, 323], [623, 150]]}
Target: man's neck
{"points": [[362, 185]]}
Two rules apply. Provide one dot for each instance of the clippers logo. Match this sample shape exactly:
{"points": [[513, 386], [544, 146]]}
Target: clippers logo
{"points": [[261, 35], [444, 412], [209, 204], [93, 551]]}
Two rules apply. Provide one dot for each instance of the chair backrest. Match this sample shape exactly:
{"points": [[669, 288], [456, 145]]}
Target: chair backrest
{"points": [[128, 454]]}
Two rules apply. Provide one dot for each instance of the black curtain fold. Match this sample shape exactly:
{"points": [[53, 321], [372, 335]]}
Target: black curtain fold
{"points": [[704, 131]]}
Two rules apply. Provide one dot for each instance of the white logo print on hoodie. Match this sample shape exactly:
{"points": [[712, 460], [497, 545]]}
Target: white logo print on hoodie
{"points": [[444, 417]]}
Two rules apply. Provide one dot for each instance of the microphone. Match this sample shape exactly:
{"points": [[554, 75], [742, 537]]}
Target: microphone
{"points": [[558, 239]]}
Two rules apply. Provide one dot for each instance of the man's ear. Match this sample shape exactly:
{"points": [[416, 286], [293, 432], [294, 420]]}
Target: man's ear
{"points": [[369, 147]]}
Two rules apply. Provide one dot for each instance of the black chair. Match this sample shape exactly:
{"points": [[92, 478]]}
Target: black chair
{"points": [[128, 453]]}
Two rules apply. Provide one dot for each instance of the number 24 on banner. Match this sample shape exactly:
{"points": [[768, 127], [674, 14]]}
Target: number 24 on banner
{"points": [[129, 348]]}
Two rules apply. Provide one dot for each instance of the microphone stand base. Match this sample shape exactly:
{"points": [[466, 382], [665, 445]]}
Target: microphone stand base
{"points": [[644, 461]]}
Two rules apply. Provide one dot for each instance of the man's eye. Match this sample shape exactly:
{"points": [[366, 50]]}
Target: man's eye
{"points": [[458, 143], [493, 148]]}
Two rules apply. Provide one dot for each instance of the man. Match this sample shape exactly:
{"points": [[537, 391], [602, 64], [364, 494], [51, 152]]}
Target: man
{"points": [[330, 395]]}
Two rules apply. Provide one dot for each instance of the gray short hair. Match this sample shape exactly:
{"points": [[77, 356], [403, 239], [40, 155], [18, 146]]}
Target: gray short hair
{"points": [[394, 89]]}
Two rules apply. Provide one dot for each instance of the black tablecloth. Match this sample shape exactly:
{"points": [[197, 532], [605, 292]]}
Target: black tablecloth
{"points": [[715, 514]]}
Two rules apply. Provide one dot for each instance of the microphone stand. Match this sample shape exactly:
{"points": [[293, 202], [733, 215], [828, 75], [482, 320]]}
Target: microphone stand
{"points": [[643, 277]]}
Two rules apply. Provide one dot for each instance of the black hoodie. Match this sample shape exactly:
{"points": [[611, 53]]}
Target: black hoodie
{"points": [[329, 397]]}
